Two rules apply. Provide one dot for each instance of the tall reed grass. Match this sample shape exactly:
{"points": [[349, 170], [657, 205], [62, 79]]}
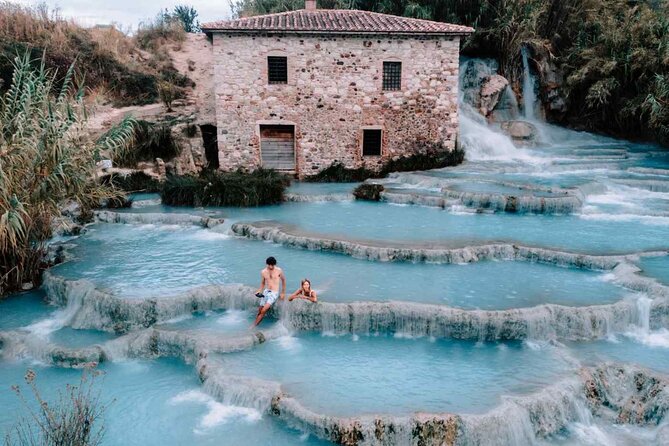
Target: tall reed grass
{"points": [[46, 160]]}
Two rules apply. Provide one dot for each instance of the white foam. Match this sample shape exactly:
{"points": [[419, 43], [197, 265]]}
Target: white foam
{"points": [[289, 343], [232, 318], [217, 413], [208, 235]]}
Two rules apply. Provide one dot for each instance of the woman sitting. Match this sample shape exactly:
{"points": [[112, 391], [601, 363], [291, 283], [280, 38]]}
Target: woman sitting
{"points": [[304, 292]]}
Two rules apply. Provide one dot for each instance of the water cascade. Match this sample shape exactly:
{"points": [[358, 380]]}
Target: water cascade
{"points": [[529, 88], [431, 304]]}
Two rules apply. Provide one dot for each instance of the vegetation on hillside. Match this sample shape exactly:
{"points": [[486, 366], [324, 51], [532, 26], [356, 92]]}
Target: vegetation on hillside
{"points": [[614, 54], [212, 188], [145, 142], [126, 70], [46, 160]]}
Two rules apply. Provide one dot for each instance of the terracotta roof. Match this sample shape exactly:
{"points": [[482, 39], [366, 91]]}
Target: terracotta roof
{"points": [[336, 21]]}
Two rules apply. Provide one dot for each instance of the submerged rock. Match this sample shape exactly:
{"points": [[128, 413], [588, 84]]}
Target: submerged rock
{"points": [[520, 131]]}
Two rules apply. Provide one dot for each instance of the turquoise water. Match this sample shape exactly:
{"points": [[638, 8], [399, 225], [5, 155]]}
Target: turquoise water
{"points": [[152, 403], [115, 257], [593, 233], [625, 209], [21, 309], [657, 267], [228, 322], [649, 351], [349, 376], [303, 188]]}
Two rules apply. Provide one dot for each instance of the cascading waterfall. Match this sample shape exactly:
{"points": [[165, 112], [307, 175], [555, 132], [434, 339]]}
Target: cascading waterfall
{"points": [[529, 88]]}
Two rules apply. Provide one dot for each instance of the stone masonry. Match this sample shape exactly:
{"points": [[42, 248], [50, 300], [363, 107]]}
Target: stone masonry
{"points": [[333, 92]]}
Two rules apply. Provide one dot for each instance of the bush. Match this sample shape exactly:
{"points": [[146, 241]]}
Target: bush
{"points": [[430, 158], [105, 63], [133, 182], [149, 141], [338, 173], [261, 187], [367, 191], [164, 28], [73, 419], [45, 162]]}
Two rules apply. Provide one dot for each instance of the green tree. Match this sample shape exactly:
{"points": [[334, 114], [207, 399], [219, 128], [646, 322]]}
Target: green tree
{"points": [[187, 15]]}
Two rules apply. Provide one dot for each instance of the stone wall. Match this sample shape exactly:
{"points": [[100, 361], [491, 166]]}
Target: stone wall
{"points": [[334, 90]]}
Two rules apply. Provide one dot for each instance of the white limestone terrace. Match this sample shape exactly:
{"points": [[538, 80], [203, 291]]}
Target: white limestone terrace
{"points": [[434, 252], [610, 392]]}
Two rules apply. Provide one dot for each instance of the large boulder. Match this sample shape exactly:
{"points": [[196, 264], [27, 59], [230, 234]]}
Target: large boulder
{"points": [[520, 131], [491, 92]]}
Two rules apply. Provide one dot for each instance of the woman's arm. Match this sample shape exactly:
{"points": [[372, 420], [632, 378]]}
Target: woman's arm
{"points": [[294, 295], [313, 297]]}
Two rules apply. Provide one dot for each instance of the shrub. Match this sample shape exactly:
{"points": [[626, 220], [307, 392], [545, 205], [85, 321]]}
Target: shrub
{"points": [[133, 182], [164, 28], [148, 142], [368, 191], [431, 157], [104, 61], [338, 173], [46, 161], [73, 419], [187, 15], [261, 187]]}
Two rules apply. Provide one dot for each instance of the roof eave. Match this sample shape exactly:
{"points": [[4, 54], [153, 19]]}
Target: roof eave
{"points": [[210, 31]]}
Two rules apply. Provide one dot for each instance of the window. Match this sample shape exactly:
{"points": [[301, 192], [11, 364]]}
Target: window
{"points": [[371, 142], [392, 76], [277, 70]]}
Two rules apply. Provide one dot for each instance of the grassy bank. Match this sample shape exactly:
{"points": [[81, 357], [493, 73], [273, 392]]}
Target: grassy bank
{"points": [[126, 70], [257, 188], [430, 159]]}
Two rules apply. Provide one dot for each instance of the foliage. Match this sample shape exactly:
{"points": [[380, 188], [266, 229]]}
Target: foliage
{"points": [[133, 182], [212, 188], [430, 157], [167, 93], [368, 191], [106, 63], [45, 161], [187, 15], [146, 142], [165, 27], [72, 420], [338, 173]]}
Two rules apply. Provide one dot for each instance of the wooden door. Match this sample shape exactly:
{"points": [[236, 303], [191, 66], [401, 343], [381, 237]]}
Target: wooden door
{"points": [[277, 147]]}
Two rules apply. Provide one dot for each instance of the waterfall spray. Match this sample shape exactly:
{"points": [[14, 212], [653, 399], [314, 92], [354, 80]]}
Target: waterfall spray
{"points": [[529, 91]]}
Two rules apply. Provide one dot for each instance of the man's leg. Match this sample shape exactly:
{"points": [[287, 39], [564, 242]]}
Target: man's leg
{"points": [[261, 314]]}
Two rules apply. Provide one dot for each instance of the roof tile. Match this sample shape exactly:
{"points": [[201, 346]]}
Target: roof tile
{"points": [[336, 21]]}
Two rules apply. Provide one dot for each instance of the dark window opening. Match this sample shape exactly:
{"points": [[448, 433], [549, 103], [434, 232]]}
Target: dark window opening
{"points": [[371, 142], [210, 142], [277, 70], [392, 76]]}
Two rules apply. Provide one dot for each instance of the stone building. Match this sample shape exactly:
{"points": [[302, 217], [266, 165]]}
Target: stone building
{"points": [[300, 90]]}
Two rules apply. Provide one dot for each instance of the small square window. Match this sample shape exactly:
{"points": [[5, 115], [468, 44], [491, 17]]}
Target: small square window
{"points": [[277, 70], [371, 142], [392, 76]]}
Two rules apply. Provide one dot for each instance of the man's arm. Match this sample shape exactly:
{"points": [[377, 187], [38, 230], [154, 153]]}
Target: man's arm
{"points": [[262, 283]]}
